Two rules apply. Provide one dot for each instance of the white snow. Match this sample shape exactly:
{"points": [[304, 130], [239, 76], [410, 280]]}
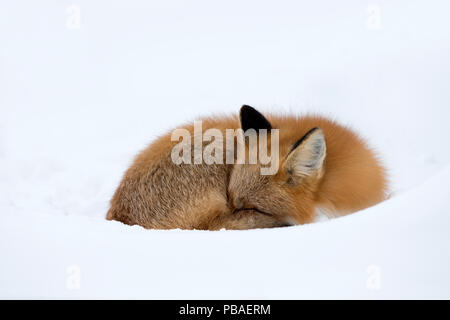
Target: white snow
{"points": [[76, 104]]}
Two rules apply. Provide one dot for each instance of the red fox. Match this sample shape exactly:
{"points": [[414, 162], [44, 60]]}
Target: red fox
{"points": [[322, 167]]}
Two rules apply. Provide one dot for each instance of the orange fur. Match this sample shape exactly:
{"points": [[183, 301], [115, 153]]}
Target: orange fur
{"points": [[353, 177], [156, 193]]}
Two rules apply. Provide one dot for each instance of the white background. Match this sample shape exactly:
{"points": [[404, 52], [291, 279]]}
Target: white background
{"points": [[79, 98]]}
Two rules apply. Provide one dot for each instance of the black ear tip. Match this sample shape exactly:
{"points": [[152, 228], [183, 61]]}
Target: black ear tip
{"points": [[247, 112], [253, 119], [246, 108]]}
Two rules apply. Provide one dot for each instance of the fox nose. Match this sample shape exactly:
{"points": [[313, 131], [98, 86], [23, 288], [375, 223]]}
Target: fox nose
{"points": [[234, 202], [238, 203]]}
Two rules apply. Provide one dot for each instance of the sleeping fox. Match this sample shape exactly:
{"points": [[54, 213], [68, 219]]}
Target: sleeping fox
{"points": [[321, 167]]}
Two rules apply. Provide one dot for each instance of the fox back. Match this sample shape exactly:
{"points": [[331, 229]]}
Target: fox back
{"points": [[322, 167]]}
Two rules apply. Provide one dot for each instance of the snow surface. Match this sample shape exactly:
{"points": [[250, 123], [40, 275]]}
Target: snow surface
{"points": [[76, 104]]}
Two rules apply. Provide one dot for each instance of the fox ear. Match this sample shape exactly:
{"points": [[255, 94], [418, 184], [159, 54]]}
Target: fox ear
{"points": [[307, 155], [252, 119]]}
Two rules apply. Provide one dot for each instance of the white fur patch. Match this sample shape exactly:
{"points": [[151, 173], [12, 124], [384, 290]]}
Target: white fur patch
{"points": [[322, 215], [291, 220]]}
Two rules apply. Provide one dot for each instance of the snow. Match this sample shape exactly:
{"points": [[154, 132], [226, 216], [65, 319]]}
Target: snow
{"points": [[76, 104]]}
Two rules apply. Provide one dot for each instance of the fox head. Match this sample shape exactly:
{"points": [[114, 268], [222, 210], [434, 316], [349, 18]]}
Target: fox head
{"points": [[287, 196]]}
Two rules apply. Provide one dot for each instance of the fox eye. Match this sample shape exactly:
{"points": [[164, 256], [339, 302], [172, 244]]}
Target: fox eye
{"points": [[253, 209]]}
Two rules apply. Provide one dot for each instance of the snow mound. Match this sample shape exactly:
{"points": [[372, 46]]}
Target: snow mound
{"points": [[397, 249], [80, 97]]}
